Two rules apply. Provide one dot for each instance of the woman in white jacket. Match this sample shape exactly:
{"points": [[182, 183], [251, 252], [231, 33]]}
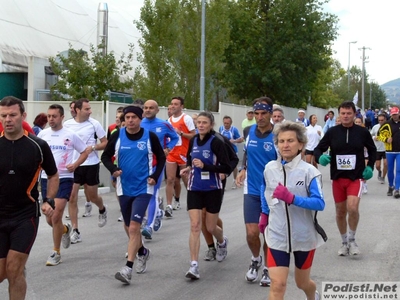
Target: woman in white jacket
{"points": [[293, 194]]}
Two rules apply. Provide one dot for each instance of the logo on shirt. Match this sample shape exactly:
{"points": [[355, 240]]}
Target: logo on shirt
{"points": [[206, 153], [268, 146], [300, 183], [158, 129], [141, 145]]}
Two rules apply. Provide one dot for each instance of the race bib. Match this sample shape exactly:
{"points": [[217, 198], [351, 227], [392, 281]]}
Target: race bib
{"points": [[346, 162], [205, 175]]}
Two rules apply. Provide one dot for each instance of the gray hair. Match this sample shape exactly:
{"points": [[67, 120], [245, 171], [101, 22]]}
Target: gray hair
{"points": [[299, 129]]}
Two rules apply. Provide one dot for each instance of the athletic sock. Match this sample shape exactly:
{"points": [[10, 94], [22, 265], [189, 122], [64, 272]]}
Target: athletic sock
{"points": [[77, 231], [344, 238], [352, 235], [101, 211], [177, 199], [142, 251], [129, 264], [211, 246], [256, 258]]}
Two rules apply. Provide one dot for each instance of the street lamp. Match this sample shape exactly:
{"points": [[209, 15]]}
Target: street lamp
{"points": [[348, 71]]}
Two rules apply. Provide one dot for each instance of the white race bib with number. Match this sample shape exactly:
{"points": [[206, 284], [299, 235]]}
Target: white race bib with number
{"points": [[205, 175], [346, 162]]}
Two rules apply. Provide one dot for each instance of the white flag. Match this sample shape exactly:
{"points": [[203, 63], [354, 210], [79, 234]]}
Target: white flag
{"points": [[355, 98]]}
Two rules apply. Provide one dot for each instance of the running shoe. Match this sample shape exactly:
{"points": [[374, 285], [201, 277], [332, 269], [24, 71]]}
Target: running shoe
{"points": [[88, 210], [379, 175], [67, 217], [396, 194], [252, 273], [343, 250], [317, 297], [265, 280], [168, 211], [144, 223], [147, 232], [390, 191], [124, 275], [193, 272], [120, 219], [222, 252], [177, 205], [141, 262], [382, 180], [103, 218], [364, 188], [161, 203], [157, 223], [54, 259], [210, 254], [353, 248], [66, 237], [75, 237]]}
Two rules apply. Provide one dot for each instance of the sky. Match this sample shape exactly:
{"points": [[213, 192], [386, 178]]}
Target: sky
{"points": [[373, 24]]}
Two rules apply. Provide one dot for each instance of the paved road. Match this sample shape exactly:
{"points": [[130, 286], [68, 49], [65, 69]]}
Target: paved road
{"points": [[88, 268]]}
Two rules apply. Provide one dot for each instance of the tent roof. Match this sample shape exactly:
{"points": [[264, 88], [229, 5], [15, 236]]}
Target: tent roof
{"points": [[44, 28]]}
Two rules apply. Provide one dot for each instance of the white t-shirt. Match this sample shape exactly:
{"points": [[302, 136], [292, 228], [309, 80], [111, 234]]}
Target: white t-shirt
{"points": [[313, 136], [63, 143], [88, 131]]}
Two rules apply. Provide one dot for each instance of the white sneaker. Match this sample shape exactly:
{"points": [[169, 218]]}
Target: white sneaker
{"points": [[141, 262], [120, 219], [222, 252], [343, 250], [252, 273], [353, 248], [88, 210], [103, 218], [124, 275], [54, 259], [365, 188], [75, 237], [317, 297], [177, 205], [66, 237], [193, 272]]}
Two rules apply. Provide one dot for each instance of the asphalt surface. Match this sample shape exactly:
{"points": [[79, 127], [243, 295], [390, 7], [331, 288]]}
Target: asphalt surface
{"points": [[88, 268]]}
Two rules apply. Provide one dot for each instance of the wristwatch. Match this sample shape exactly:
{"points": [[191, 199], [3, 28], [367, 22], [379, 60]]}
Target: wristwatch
{"points": [[50, 201], [181, 133], [93, 148]]}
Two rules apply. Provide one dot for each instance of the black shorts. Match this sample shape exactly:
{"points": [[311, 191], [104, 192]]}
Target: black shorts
{"points": [[210, 200], [309, 152], [87, 175], [380, 155], [17, 235]]}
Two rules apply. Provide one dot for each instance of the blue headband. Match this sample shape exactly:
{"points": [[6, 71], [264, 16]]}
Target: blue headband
{"points": [[262, 106]]}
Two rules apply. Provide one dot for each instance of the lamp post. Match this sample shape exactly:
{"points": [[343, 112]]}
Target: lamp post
{"points": [[348, 71]]}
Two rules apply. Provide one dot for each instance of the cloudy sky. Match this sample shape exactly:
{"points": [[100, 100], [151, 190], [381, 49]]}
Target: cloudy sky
{"points": [[373, 24]]}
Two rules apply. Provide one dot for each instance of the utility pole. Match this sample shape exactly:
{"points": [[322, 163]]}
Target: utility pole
{"points": [[203, 53], [348, 72], [364, 58], [370, 92]]}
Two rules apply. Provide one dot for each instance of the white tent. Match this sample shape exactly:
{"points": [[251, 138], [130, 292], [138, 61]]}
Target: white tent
{"points": [[39, 29]]}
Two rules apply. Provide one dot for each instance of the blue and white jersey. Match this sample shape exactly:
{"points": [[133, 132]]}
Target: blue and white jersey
{"points": [[135, 159], [164, 131], [231, 133], [259, 152], [200, 180]]}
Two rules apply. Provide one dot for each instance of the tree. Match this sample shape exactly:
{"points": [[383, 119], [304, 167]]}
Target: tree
{"points": [[170, 50], [278, 48], [81, 75]]}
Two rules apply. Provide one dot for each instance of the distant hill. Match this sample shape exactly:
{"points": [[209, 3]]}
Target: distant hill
{"points": [[392, 90]]}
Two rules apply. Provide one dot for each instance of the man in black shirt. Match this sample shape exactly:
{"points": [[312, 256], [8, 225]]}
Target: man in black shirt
{"points": [[22, 156]]}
